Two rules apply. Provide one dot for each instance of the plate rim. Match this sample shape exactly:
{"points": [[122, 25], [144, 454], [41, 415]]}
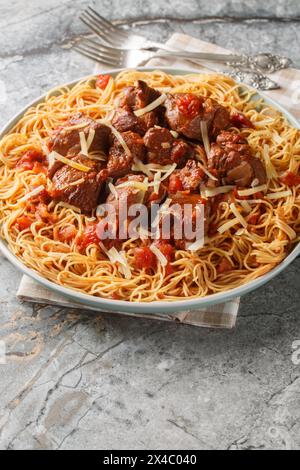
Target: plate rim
{"points": [[124, 306]]}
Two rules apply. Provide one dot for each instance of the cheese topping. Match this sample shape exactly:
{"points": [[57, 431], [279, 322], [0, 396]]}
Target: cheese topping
{"points": [[151, 106], [161, 258], [68, 161], [279, 194], [250, 191], [204, 133], [32, 193], [228, 225], [196, 245], [119, 257], [207, 192], [237, 214], [113, 190], [83, 144], [271, 172]]}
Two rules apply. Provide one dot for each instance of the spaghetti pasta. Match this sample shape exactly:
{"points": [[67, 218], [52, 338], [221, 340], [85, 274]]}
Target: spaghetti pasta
{"points": [[49, 239]]}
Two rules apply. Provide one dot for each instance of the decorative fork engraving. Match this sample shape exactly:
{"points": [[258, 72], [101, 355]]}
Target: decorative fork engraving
{"points": [[262, 62]]}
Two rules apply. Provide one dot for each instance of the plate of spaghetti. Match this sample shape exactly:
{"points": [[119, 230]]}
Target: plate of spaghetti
{"points": [[103, 181]]}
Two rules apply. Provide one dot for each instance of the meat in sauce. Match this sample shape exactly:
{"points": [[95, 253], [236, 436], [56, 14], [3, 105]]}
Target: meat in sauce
{"points": [[186, 179], [233, 161], [164, 149], [134, 98], [230, 158], [125, 120], [194, 200], [78, 188], [149, 196], [185, 111], [119, 162], [66, 141]]}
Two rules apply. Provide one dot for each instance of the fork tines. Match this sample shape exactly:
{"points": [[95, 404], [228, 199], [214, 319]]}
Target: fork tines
{"points": [[108, 33]]}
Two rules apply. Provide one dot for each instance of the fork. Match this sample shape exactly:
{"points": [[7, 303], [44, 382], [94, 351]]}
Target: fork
{"points": [[115, 37], [133, 57]]}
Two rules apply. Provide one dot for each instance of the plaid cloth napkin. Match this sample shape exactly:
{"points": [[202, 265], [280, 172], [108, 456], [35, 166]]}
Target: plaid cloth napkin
{"points": [[221, 315]]}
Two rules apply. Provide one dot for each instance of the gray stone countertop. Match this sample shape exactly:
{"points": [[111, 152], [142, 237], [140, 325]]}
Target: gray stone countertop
{"points": [[84, 380]]}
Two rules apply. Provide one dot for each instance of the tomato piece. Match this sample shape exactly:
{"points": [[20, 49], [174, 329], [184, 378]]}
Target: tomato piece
{"points": [[166, 248], [39, 168], [240, 120], [44, 196], [102, 81], [30, 159], [115, 296], [169, 269], [224, 266], [290, 179], [144, 258], [189, 104], [66, 234], [175, 184], [23, 222], [253, 219], [89, 236], [42, 213]]}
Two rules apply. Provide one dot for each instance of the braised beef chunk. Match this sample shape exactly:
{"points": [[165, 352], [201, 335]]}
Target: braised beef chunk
{"points": [[185, 111], [130, 193], [119, 163], [139, 96], [149, 196], [163, 149], [135, 195], [66, 141], [231, 157], [127, 196], [180, 200], [125, 120], [78, 188], [190, 177], [216, 116]]}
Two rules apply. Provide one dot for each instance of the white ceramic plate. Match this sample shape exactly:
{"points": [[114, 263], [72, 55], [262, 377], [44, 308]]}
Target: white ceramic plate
{"points": [[147, 307]]}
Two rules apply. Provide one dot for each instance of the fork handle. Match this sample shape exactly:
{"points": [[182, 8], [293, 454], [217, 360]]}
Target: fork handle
{"points": [[225, 58]]}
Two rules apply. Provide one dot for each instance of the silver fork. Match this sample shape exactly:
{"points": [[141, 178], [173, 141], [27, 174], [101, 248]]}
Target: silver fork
{"points": [[134, 57], [115, 37]]}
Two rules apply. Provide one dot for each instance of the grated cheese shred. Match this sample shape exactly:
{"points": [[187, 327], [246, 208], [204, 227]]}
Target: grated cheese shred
{"points": [[238, 215], [160, 100], [67, 161], [161, 258]]}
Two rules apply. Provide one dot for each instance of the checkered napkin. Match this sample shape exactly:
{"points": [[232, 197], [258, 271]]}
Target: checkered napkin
{"points": [[221, 315]]}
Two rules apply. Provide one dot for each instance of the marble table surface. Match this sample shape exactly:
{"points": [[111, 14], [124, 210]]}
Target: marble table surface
{"points": [[84, 380]]}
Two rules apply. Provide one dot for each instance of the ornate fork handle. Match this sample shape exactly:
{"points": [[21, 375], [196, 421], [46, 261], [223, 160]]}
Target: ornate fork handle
{"points": [[262, 62], [252, 78]]}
